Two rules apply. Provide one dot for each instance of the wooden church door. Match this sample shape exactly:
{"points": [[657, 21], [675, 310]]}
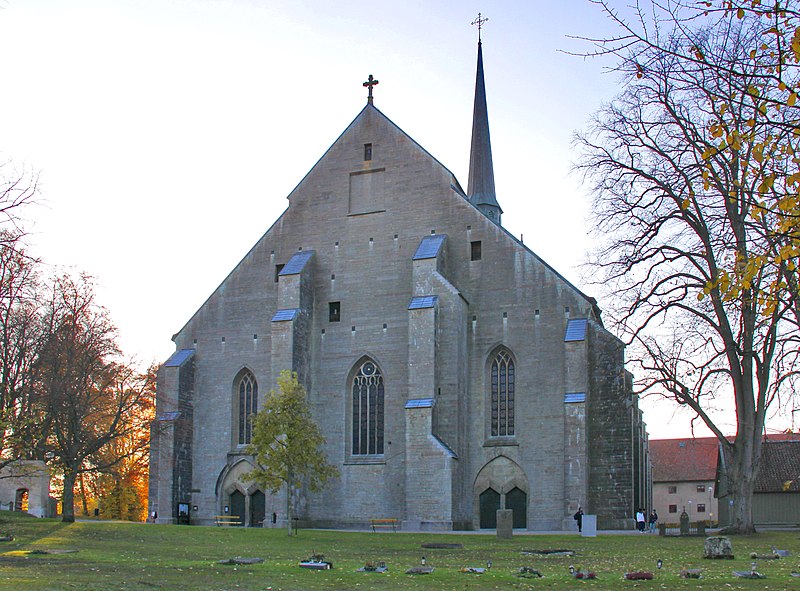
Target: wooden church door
{"points": [[489, 504], [258, 509], [517, 501], [237, 505]]}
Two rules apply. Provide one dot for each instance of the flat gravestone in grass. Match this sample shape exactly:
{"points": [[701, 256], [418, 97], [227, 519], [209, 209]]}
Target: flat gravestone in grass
{"points": [[374, 567], [549, 552], [420, 570], [238, 560], [442, 546]]}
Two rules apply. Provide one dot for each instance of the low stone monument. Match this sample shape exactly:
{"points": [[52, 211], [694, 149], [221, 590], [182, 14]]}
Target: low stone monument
{"points": [[505, 524], [589, 529], [718, 547]]}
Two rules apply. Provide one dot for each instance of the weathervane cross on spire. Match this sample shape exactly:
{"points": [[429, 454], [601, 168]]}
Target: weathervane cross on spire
{"points": [[479, 22], [369, 84]]}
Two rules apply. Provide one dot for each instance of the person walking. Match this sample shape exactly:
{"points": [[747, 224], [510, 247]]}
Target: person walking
{"points": [[578, 517], [653, 521], [640, 520]]}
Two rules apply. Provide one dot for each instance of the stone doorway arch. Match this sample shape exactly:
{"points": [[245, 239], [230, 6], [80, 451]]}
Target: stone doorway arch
{"points": [[500, 484], [247, 500], [21, 499]]}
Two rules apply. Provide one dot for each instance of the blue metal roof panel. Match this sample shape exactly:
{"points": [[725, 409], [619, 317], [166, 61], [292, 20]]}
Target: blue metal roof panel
{"points": [[179, 357], [168, 416], [572, 397], [420, 302], [283, 315], [296, 263], [420, 403], [429, 246], [576, 330]]}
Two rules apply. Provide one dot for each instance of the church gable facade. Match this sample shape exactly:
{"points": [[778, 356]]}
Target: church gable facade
{"points": [[452, 372]]}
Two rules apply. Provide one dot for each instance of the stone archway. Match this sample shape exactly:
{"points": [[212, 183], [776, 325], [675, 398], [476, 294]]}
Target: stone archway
{"points": [[500, 484], [21, 499]]}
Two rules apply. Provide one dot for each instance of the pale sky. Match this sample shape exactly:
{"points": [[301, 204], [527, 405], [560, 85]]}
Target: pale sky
{"points": [[168, 133]]}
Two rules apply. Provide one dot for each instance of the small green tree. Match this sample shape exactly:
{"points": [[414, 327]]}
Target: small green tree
{"points": [[287, 444]]}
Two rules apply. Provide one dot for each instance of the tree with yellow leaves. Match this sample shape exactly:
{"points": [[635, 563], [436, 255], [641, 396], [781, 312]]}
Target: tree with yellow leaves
{"points": [[687, 174], [287, 444]]}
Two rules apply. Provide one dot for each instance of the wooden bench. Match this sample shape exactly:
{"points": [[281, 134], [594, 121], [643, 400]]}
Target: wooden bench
{"points": [[376, 523], [227, 520]]}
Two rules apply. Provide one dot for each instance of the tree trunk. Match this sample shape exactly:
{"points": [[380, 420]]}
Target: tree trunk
{"points": [[740, 484], [68, 498], [83, 496], [288, 509]]}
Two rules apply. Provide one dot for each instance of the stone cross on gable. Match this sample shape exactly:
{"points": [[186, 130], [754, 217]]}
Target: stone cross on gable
{"points": [[369, 84]]}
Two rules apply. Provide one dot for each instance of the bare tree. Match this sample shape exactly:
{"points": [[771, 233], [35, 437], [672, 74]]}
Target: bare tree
{"points": [[19, 332], [82, 389], [18, 188], [18, 316], [672, 212]]}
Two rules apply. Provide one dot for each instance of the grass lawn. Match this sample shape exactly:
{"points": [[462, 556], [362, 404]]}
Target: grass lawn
{"points": [[122, 556]]}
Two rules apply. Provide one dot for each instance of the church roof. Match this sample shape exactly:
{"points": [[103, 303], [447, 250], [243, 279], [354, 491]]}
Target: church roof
{"points": [[780, 467], [480, 186], [682, 460]]}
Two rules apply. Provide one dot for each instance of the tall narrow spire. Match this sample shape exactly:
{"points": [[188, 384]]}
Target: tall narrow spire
{"points": [[480, 187]]}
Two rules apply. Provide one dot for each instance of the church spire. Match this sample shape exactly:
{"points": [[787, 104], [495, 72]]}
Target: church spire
{"points": [[480, 187]]}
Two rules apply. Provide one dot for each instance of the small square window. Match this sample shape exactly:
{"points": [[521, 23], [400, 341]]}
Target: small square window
{"points": [[701, 508], [278, 269], [701, 488], [673, 508], [334, 311], [475, 250], [672, 489], [367, 151]]}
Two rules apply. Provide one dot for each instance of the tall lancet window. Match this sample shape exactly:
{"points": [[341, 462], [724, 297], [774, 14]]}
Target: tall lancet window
{"points": [[248, 406], [502, 377], [367, 409]]}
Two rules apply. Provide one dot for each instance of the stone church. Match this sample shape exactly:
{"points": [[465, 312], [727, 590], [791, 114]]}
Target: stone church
{"points": [[451, 370]]}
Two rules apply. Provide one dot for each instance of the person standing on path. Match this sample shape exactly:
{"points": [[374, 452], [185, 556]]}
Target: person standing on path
{"points": [[640, 519], [578, 517], [653, 520]]}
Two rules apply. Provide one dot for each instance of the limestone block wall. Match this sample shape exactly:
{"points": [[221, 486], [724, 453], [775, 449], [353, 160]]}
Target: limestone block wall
{"points": [[430, 467], [171, 453], [611, 455]]}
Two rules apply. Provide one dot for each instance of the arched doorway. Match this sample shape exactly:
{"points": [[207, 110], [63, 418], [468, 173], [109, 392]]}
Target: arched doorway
{"points": [[258, 509], [21, 500], [517, 501], [489, 504], [501, 483], [237, 506]]}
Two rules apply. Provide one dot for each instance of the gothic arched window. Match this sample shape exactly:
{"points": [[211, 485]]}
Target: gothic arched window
{"points": [[367, 392], [502, 394], [248, 405]]}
